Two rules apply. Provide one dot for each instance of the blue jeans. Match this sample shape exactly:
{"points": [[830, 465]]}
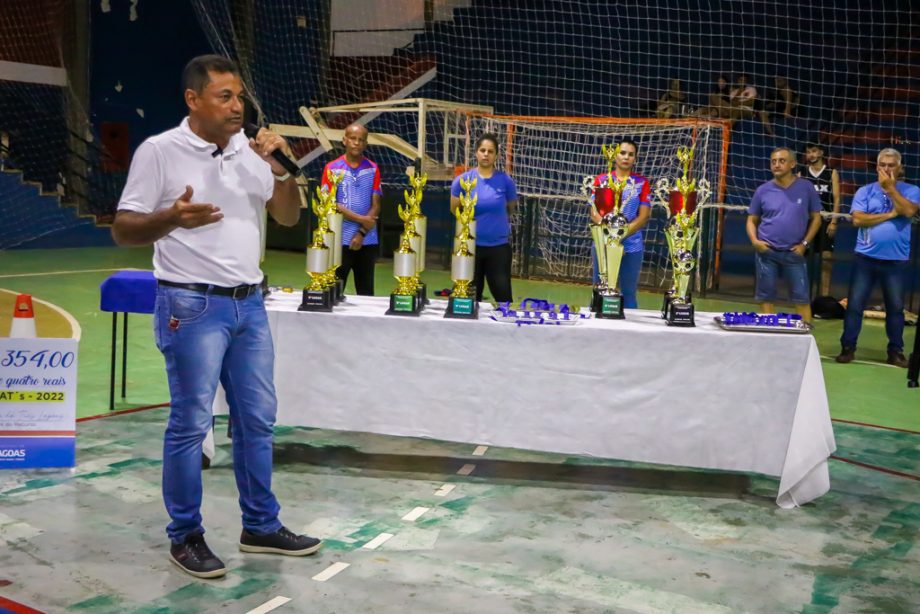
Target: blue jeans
{"points": [[891, 274], [205, 338], [794, 269], [630, 267]]}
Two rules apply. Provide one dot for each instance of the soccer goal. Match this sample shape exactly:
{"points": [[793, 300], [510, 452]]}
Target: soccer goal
{"points": [[549, 158]]}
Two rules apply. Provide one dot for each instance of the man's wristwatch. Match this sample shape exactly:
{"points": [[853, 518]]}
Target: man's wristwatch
{"points": [[362, 232], [805, 242], [282, 178]]}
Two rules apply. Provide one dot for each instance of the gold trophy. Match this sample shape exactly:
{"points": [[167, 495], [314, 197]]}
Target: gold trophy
{"points": [[417, 238], [608, 236], [334, 219], [466, 228], [319, 294], [404, 300], [462, 302], [682, 200]]}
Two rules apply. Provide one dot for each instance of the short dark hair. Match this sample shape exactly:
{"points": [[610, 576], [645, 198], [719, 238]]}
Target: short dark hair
{"points": [[783, 148], [629, 141], [195, 76], [488, 136], [815, 145]]}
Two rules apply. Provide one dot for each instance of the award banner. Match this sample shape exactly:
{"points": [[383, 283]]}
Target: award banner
{"points": [[38, 403]]}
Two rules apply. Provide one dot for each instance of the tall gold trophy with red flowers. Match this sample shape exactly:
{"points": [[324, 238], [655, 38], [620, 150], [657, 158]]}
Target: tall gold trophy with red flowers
{"points": [[606, 200], [683, 200]]}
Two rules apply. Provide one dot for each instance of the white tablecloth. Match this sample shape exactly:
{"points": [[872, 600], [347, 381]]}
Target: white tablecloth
{"points": [[633, 389]]}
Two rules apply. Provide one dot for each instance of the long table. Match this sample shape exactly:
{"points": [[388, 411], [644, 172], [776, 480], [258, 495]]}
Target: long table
{"points": [[633, 389]]}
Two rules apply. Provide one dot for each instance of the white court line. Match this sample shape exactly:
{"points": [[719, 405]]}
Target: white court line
{"points": [[466, 469], [480, 450], [268, 606], [415, 514], [444, 490], [69, 272], [331, 571], [862, 362], [377, 541]]}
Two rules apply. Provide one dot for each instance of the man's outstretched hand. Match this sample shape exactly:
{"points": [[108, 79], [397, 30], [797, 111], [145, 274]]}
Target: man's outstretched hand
{"points": [[187, 214]]}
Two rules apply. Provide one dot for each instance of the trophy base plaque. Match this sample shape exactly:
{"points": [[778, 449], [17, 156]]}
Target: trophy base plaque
{"points": [[611, 307], [596, 300], [404, 305], [666, 304], [680, 314], [339, 290], [466, 308], [316, 300]]}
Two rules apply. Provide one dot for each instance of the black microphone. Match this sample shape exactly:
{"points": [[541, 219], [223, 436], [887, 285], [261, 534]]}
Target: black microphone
{"points": [[251, 130], [218, 151]]}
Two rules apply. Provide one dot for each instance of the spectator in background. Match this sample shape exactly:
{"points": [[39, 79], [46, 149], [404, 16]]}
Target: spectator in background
{"points": [[742, 97], [882, 212], [717, 104], [827, 184], [777, 100], [783, 218], [670, 103]]}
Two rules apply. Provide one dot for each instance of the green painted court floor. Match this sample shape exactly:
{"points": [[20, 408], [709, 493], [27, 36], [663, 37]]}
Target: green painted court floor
{"points": [[523, 532]]}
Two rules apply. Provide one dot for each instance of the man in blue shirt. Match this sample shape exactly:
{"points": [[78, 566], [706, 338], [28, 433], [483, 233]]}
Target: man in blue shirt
{"points": [[882, 212], [358, 198], [784, 216]]}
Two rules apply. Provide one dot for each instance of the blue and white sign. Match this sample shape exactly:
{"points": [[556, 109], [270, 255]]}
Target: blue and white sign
{"points": [[38, 403]]}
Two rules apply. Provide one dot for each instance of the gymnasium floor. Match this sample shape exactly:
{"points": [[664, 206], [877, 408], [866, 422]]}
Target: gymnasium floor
{"points": [[524, 532]]}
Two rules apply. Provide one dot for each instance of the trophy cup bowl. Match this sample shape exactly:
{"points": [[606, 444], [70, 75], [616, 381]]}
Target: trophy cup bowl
{"points": [[678, 204], [603, 200]]}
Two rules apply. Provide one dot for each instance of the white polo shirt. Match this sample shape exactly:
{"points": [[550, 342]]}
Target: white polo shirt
{"points": [[238, 181]]}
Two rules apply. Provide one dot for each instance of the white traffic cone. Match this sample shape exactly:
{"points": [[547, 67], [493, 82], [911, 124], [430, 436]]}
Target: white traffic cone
{"points": [[23, 318]]}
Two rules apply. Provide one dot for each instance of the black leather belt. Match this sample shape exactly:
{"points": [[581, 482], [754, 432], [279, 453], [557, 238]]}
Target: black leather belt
{"points": [[237, 292]]}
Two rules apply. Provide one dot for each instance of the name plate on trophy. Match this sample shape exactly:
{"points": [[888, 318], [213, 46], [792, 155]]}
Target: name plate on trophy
{"points": [[403, 303], [461, 306], [611, 306], [316, 300]]}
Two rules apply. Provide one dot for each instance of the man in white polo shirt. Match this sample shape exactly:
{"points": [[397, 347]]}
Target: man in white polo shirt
{"points": [[198, 193]]}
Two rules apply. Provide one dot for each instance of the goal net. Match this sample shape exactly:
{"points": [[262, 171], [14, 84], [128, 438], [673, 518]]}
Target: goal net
{"points": [[842, 74]]}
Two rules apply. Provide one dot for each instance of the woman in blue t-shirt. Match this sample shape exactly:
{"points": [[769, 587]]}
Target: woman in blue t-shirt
{"points": [[497, 197]]}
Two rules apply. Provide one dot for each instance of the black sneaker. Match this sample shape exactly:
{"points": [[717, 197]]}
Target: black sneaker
{"points": [[846, 355], [896, 358], [281, 541], [195, 558]]}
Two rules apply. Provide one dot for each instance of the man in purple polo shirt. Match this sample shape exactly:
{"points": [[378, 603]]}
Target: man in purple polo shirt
{"points": [[784, 216], [882, 212]]}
